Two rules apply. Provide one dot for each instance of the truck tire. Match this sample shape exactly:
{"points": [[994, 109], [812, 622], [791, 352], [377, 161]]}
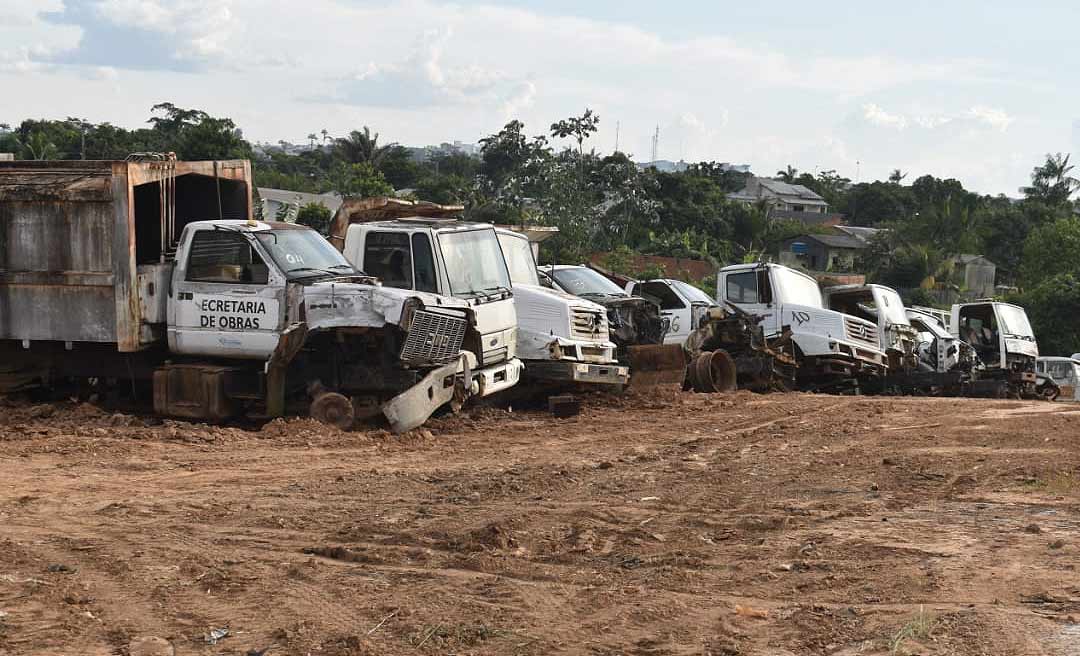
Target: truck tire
{"points": [[333, 409], [713, 371]]}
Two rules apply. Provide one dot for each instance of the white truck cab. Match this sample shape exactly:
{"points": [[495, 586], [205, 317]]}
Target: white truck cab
{"points": [[1002, 336], [938, 350], [456, 261], [829, 343], [272, 292], [561, 338], [682, 304], [883, 306], [1065, 372]]}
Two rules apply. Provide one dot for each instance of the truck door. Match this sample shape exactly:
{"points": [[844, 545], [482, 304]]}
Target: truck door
{"points": [[226, 299], [401, 260], [751, 291], [672, 306]]}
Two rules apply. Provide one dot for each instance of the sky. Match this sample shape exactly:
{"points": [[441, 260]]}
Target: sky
{"points": [[974, 90]]}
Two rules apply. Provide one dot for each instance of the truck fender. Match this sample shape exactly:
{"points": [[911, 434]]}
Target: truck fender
{"points": [[292, 338], [414, 406]]}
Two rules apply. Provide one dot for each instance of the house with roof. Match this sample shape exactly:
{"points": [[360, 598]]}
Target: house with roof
{"points": [[835, 252], [787, 201]]}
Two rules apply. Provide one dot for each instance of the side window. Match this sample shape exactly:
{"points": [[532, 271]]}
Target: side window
{"points": [[663, 295], [742, 287], [424, 264], [226, 257], [387, 257], [635, 289]]}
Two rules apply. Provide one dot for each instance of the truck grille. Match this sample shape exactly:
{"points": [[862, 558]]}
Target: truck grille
{"points": [[860, 332], [433, 338], [588, 324]]}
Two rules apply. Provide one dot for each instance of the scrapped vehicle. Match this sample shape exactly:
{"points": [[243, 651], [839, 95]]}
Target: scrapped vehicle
{"points": [[454, 261], [635, 324], [947, 365], [561, 338], [834, 351], [882, 306], [112, 278], [683, 305], [1064, 372], [1002, 336], [729, 350]]}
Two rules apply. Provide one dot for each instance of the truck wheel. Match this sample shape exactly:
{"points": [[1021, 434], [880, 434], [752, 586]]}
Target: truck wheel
{"points": [[713, 372], [333, 409]]}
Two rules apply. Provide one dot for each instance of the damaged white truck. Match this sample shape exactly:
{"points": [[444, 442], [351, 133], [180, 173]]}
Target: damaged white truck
{"points": [[832, 351], [562, 339], [414, 249], [150, 279]]}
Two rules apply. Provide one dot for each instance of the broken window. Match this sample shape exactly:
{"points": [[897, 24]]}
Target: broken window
{"points": [[227, 257], [424, 264], [662, 295], [387, 256]]}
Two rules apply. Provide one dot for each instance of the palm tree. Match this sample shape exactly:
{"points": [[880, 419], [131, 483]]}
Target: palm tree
{"points": [[897, 176], [362, 146], [311, 139], [1052, 182], [789, 174], [39, 147]]}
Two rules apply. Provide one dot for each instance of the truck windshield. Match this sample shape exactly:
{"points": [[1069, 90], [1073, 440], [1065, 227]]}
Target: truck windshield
{"points": [[1014, 320], [793, 287], [519, 259], [474, 262], [693, 294], [582, 281], [303, 253]]}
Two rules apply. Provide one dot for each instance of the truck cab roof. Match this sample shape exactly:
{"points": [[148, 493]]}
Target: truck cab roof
{"points": [[243, 226], [437, 224]]}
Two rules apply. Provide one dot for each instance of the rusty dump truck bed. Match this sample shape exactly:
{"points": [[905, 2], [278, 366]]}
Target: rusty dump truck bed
{"points": [[85, 245]]}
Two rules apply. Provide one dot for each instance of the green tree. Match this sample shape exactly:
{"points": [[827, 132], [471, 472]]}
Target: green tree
{"points": [[316, 216], [579, 129], [37, 146], [361, 146], [1053, 183], [1051, 250], [1052, 306], [788, 174], [361, 180]]}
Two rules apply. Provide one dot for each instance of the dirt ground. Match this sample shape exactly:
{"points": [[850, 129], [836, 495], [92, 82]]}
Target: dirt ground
{"points": [[661, 524]]}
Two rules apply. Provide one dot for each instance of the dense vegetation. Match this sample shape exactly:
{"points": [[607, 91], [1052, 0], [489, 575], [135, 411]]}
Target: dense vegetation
{"points": [[607, 203]]}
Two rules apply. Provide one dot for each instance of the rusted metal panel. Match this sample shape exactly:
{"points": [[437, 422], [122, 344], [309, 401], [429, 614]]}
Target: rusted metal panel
{"points": [[68, 250]]}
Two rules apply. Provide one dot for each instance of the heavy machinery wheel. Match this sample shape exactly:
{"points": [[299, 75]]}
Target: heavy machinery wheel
{"points": [[333, 409], [713, 371], [1049, 392]]}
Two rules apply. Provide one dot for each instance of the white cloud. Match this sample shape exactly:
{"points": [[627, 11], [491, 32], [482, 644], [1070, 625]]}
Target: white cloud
{"points": [[875, 115], [995, 118], [202, 29], [977, 116]]}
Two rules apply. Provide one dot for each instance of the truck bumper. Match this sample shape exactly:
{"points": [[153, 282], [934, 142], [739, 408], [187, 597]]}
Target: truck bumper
{"points": [[489, 380], [566, 371], [411, 408]]}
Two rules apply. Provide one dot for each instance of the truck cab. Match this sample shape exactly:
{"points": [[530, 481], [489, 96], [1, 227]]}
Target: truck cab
{"points": [[280, 296], [883, 306], [937, 349], [1065, 372], [453, 260], [682, 304], [561, 338], [1003, 338], [830, 346]]}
